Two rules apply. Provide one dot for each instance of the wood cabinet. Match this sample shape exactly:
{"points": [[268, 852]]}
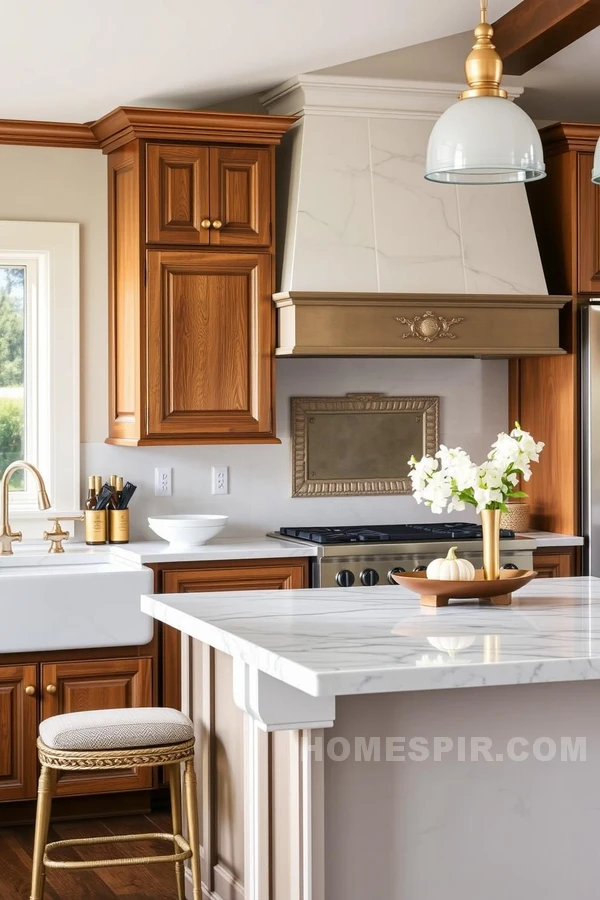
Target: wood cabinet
{"points": [[588, 218], [199, 196], [209, 360], [556, 563], [18, 731], [34, 691], [68, 687], [191, 263], [249, 575], [177, 194], [545, 393]]}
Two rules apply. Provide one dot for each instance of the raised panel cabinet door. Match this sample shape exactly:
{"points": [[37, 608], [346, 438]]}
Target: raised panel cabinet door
{"points": [[240, 197], [68, 687], [177, 194], [18, 732], [588, 230], [209, 327]]}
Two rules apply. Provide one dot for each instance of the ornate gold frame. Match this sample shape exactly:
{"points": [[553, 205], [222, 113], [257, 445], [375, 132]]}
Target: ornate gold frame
{"points": [[302, 409]]}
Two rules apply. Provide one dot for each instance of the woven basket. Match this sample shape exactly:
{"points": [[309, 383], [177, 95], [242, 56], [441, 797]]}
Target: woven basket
{"points": [[517, 517]]}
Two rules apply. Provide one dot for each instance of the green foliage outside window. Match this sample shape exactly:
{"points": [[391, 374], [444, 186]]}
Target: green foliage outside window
{"points": [[12, 354]]}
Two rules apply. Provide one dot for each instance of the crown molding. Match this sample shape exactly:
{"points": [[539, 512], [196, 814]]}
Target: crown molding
{"points": [[339, 95], [47, 134], [129, 123], [563, 136]]}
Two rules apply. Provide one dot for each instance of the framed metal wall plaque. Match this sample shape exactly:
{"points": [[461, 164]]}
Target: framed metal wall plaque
{"points": [[360, 443]]}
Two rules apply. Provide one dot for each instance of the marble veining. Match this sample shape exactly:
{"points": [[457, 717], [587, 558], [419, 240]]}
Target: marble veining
{"points": [[361, 216], [369, 640], [417, 223], [334, 241], [499, 245]]}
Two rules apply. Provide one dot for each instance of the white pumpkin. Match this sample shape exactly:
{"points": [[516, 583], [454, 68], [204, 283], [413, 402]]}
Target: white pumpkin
{"points": [[451, 568]]}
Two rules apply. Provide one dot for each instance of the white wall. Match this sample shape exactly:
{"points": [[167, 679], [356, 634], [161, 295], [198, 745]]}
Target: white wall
{"points": [[70, 185], [473, 409], [53, 184]]}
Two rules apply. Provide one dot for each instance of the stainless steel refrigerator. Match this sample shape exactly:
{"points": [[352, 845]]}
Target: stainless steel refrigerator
{"points": [[590, 429]]}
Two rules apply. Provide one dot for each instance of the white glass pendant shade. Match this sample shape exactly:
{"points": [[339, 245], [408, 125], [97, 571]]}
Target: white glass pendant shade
{"points": [[596, 169], [486, 140]]}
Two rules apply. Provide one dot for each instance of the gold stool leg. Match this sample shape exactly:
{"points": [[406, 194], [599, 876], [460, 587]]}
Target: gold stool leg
{"points": [[174, 771], [42, 822], [191, 806]]}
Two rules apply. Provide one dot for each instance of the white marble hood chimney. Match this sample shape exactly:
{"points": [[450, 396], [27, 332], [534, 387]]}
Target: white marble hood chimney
{"points": [[355, 213]]}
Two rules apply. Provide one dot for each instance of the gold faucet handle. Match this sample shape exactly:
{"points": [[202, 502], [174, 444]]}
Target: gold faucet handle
{"points": [[7, 537], [57, 535]]}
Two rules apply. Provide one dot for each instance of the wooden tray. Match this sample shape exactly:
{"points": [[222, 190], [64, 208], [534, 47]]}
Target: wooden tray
{"points": [[434, 592]]}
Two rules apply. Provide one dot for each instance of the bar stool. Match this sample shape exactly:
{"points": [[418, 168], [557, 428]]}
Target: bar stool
{"points": [[119, 739]]}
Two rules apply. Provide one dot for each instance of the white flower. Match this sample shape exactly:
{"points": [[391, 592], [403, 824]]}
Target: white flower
{"points": [[450, 480]]}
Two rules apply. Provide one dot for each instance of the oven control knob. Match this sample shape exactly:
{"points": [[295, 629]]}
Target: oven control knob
{"points": [[420, 569], [398, 570], [345, 578], [509, 566], [369, 577]]}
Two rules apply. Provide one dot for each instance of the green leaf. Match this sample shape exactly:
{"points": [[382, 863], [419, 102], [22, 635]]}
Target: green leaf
{"points": [[519, 494]]}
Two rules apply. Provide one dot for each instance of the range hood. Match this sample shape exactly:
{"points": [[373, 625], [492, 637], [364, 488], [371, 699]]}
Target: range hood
{"points": [[376, 261]]}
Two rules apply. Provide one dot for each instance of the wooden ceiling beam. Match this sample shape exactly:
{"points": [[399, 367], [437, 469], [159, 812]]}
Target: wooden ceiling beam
{"points": [[535, 30]]}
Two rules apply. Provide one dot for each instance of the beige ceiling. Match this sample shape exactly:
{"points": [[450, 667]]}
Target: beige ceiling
{"points": [[565, 87], [74, 60]]}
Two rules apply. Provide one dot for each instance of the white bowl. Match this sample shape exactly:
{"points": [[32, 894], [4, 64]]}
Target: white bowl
{"points": [[185, 532]]}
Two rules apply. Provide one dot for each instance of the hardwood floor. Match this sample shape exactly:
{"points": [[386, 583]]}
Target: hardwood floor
{"points": [[155, 882]]}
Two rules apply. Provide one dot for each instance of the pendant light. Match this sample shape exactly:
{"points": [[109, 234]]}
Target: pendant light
{"points": [[484, 138]]}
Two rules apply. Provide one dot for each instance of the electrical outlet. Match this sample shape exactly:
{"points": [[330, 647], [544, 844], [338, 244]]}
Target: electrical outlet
{"points": [[220, 479], [163, 486]]}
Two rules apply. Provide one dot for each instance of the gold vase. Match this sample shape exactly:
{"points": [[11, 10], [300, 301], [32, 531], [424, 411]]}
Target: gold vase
{"points": [[490, 524]]}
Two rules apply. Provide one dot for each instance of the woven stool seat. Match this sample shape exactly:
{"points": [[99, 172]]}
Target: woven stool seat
{"points": [[115, 729], [117, 739]]}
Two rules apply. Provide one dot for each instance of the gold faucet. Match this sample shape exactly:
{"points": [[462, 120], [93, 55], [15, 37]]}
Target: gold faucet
{"points": [[7, 536]]}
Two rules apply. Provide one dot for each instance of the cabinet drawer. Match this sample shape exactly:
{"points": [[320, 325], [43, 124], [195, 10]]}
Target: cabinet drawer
{"points": [[556, 564]]}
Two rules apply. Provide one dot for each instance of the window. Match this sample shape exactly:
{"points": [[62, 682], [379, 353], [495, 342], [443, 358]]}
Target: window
{"points": [[39, 362]]}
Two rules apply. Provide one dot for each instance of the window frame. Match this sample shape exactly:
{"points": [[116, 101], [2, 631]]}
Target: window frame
{"points": [[54, 337]]}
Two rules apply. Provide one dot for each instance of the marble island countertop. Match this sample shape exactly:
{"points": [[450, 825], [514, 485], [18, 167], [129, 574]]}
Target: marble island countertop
{"points": [[334, 641]]}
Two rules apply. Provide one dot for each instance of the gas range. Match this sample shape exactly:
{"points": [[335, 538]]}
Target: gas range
{"points": [[351, 556]]}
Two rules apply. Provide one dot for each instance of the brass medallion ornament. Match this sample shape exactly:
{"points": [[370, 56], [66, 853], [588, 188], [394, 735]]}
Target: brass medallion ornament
{"points": [[429, 327]]}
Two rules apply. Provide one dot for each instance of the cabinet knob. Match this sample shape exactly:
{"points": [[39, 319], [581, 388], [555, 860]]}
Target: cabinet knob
{"points": [[30, 690], [205, 223], [217, 224], [51, 689]]}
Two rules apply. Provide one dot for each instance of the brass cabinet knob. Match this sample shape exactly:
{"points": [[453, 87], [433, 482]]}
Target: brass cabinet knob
{"points": [[217, 224], [51, 689], [205, 223], [30, 690]]}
